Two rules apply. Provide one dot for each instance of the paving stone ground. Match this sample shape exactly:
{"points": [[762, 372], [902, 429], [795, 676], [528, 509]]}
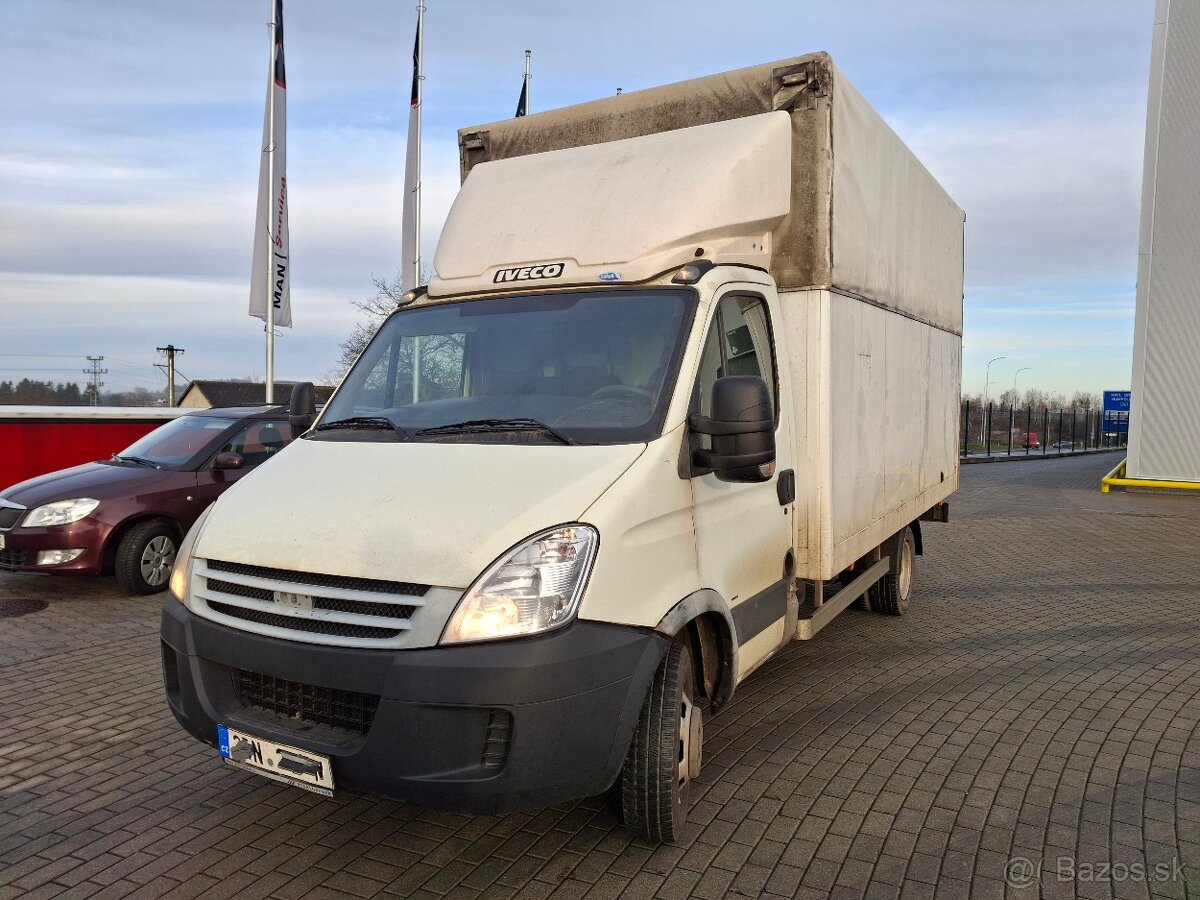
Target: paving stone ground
{"points": [[1035, 717]]}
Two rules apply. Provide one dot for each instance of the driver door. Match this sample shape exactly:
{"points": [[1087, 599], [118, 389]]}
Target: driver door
{"points": [[256, 442], [744, 531]]}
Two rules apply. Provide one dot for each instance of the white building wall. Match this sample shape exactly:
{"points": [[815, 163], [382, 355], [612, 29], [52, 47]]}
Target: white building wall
{"points": [[1164, 428]]}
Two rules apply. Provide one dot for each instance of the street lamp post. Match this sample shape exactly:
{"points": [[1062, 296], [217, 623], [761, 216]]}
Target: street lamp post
{"points": [[1018, 372], [987, 382], [1012, 416]]}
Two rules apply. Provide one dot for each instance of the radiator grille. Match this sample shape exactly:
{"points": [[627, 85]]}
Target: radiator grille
{"points": [[295, 623], [318, 580], [9, 516], [361, 607], [323, 609], [347, 710]]}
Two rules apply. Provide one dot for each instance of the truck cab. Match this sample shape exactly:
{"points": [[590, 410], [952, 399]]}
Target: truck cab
{"points": [[575, 491]]}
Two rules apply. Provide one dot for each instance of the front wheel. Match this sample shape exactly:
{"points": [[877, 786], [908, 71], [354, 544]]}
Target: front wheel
{"points": [[665, 754], [896, 587], [145, 557]]}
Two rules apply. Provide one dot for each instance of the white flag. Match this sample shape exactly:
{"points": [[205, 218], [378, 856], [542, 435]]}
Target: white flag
{"points": [[271, 271], [410, 219]]}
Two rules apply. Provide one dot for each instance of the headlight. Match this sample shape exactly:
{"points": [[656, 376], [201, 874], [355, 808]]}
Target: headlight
{"points": [[64, 512], [534, 587], [181, 572]]}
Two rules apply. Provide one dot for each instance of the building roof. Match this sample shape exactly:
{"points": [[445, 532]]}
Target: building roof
{"points": [[205, 393]]}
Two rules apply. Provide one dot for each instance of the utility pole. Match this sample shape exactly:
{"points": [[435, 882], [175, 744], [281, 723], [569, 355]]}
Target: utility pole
{"points": [[171, 350], [95, 371]]}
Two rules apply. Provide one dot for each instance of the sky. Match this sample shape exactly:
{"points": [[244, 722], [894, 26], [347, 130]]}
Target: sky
{"points": [[130, 137]]}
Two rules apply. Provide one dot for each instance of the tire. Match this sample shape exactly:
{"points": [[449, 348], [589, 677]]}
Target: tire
{"points": [[896, 587], [665, 753], [145, 556]]}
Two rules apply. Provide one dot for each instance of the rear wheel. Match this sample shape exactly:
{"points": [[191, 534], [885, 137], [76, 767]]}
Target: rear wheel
{"points": [[145, 557], [896, 587], [867, 601], [665, 754]]}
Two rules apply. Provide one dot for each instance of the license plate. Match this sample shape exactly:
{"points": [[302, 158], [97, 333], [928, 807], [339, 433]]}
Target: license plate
{"points": [[293, 601], [291, 765], [1, 542]]}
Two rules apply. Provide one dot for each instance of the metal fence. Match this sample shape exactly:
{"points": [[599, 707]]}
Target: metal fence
{"points": [[999, 430]]}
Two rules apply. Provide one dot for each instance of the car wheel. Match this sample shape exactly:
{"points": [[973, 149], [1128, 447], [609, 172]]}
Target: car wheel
{"points": [[665, 754], [896, 587], [145, 557]]}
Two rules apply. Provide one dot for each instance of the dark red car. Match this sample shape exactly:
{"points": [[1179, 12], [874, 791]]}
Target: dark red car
{"points": [[127, 515]]}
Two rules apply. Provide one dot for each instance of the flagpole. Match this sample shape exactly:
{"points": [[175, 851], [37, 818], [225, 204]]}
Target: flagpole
{"points": [[270, 150], [528, 54], [416, 275]]}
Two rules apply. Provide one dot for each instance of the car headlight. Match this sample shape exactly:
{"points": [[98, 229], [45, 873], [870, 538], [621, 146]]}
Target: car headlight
{"points": [[181, 572], [534, 587], [64, 512]]}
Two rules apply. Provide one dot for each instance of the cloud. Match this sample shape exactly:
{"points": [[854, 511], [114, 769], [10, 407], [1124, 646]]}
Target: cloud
{"points": [[131, 136]]}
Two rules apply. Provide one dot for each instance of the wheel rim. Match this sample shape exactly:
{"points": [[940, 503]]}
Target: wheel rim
{"points": [[691, 741], [907, 559], [157, 560]]}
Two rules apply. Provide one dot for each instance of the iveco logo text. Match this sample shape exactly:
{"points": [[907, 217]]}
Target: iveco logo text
{"points": [[529, 273]]}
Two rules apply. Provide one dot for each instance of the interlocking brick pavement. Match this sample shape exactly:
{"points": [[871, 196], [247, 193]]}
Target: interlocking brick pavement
{"points": [[1041, 701]]}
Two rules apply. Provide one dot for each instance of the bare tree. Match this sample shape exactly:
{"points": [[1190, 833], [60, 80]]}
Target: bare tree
{"points": [[375, 309], [1036, 398]]}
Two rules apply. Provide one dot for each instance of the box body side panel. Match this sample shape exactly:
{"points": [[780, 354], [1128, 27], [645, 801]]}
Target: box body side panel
{"points": [[897, 237], [876, 424]]}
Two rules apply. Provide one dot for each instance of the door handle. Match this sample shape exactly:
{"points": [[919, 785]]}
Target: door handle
{"points": [[785, 487]]}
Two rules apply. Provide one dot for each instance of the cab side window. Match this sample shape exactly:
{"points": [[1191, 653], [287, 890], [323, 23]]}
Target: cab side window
{"points": [[738, 343], [259, 441]]}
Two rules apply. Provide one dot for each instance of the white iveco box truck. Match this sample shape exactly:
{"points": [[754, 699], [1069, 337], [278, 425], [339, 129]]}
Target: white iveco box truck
{"points": [[682, 390]]}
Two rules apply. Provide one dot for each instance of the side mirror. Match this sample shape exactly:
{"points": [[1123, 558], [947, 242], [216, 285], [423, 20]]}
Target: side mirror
{"points": [[229, 460], [742, 428], [303, 408]]}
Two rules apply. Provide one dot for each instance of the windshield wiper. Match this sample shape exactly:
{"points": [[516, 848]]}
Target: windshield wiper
{"points": [[365, 423], [479, 426], [138, 460]]}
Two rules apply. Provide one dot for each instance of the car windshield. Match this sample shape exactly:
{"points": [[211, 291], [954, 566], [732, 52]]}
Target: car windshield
{"points": [[555, 368], [176, 442]]}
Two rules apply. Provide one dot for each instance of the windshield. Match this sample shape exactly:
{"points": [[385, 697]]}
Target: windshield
{"points": [[590, 367], [176, 442]]}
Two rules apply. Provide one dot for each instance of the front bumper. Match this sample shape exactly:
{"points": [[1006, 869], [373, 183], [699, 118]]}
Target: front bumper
{"points": [[21, 546], [481, 728]]}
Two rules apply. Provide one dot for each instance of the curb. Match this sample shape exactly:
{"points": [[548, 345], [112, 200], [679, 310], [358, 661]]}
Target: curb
{"points": [[972, 460]]}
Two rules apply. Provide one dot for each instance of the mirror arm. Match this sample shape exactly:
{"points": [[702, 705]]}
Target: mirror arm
{"points": [[718, 463], [712, 427]]}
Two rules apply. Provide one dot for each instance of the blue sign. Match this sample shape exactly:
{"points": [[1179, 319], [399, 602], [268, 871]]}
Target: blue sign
{"points": [[1115, 422], [1116, 401]]}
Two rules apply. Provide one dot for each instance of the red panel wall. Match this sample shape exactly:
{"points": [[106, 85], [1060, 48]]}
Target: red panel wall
{"points": [[30, 447]]}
